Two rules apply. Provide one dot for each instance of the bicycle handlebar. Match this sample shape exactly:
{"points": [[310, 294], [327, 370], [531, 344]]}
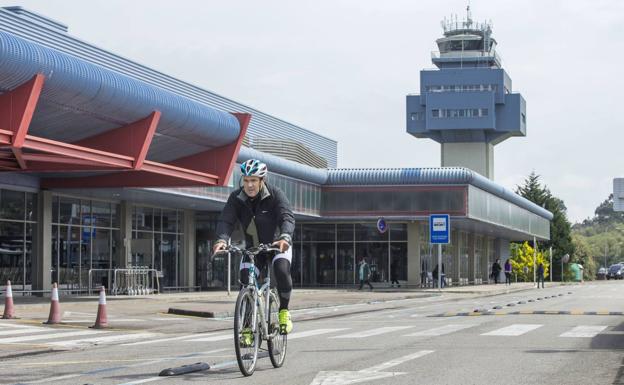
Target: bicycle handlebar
{"points": [[251, 251]]}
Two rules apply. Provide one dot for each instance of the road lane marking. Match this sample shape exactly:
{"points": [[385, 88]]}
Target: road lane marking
{"points": [[53, 379], [513, 330], [584, 331], [374, 332], [47, 336], [221, 337], [315, 332], [397, 361], [187, 336], [440, 331], [100, 340], [365, 375]]}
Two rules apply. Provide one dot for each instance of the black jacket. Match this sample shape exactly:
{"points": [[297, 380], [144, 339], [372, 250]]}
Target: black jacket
{"points": [[272, 216]]}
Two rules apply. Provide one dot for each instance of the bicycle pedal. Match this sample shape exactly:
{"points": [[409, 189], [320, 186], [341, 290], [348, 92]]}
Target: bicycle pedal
{"points": [[283, 330]]}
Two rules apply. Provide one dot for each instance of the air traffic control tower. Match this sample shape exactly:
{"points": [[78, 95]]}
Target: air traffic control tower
{"points": [[466, 104]]}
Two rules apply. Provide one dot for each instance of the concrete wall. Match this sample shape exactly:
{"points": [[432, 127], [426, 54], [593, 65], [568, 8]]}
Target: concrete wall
{"points": [[478, 157], [413, 254]]}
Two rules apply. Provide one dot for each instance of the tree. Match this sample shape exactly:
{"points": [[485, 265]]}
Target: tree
{"points": [[522, 256], [582, 255], [560, 227], [605, 214]]}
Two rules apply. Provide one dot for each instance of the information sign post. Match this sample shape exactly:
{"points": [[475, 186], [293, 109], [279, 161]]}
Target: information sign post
{"points": [[439, 233]]}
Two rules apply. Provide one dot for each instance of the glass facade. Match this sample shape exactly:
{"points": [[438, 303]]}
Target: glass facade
{"points": [[18, 215], [157, 239], [327, 254], [85, 236], [491, 257], [464, 257], [479, 254], [490, 208]]}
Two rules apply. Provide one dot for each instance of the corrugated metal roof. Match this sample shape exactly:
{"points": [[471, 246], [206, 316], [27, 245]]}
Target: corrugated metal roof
{"points": [[284, 166], [82, 99], [19, 22]]}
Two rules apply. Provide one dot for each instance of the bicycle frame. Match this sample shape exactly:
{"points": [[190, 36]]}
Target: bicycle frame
{"points": [[261, 297]]}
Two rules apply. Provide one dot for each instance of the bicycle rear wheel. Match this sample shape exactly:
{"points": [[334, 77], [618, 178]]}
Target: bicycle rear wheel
{"points": [[277, 344], [246, 342]]}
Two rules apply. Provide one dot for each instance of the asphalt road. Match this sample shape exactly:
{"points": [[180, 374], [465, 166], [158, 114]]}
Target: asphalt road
{"points": [[424, 341]]}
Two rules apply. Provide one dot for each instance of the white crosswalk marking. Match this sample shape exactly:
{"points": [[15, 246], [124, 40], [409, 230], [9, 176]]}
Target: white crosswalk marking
{"points": [[513, 330], [8, 325], [13, 332], [47, 336], [102, 339], [214, 338], [442, 330], [584, 331], [310, 333], [374, 332], [184, 337]]}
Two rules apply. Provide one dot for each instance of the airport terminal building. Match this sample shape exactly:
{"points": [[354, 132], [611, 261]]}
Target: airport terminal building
{"points": [[107, 164]]}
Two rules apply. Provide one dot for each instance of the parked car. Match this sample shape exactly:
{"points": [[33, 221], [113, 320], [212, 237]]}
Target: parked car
{"points": [[602, 273], [616, 271]]}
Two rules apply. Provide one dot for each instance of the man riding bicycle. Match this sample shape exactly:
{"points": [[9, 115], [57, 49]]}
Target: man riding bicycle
{"points": [[266, 216]]}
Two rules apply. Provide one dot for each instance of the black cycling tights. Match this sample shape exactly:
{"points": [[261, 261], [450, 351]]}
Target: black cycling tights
{"points": [[281, 270]]}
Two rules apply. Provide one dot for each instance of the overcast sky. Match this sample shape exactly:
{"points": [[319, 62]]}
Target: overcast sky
{"points": [[343, 68]]}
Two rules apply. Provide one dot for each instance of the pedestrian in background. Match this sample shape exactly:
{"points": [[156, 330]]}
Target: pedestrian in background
{"points": [[435, 276], [394, 275], [507, 272], [540, 275], [364, 273], [496, 269]]}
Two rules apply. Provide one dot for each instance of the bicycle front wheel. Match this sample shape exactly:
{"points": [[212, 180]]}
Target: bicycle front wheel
{"points": [[277, 344], [246, 342]]}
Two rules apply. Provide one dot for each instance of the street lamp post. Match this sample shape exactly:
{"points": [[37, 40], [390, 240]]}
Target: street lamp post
{"points": [[564, 259], [551, 269]]}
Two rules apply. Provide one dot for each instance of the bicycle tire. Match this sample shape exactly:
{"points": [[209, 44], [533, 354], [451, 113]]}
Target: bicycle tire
{"points": [[246, 356], [278, 344]]}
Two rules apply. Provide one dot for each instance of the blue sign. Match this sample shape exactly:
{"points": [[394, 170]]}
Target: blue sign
{"points": [[382, 226], [439, 228]]}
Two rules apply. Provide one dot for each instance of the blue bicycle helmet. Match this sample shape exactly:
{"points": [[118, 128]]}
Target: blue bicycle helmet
{"points": [[253, 167]]}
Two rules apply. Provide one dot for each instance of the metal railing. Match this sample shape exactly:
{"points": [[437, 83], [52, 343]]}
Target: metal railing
{"points": [[133, 280]]}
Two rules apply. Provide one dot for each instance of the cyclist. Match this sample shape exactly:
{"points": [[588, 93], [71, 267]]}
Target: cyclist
{"points": [[265, 214]]}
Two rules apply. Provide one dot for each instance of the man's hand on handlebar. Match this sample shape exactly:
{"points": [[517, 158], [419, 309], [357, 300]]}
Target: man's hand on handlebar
{"points": [[219, 246], [281, 244]]}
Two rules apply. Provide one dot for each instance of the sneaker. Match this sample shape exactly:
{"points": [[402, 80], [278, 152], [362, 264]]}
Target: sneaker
{"points": [[247, 338], [286, 324]]}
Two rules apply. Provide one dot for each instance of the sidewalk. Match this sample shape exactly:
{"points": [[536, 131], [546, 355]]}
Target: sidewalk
{"points": [[214, 304]]}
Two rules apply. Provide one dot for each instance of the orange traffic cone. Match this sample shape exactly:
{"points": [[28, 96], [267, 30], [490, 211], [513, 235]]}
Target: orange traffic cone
{"points": [[55, 308], [101, 321], [9, 311]]}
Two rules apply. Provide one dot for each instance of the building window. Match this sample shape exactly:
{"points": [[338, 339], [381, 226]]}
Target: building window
{"points": [[454, 113], [17, 225], [85, 236], [157, 238], [463, 88], [417, 116]]}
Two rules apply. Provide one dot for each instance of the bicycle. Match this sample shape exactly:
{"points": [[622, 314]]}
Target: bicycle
{"points": [[256, 315]]}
